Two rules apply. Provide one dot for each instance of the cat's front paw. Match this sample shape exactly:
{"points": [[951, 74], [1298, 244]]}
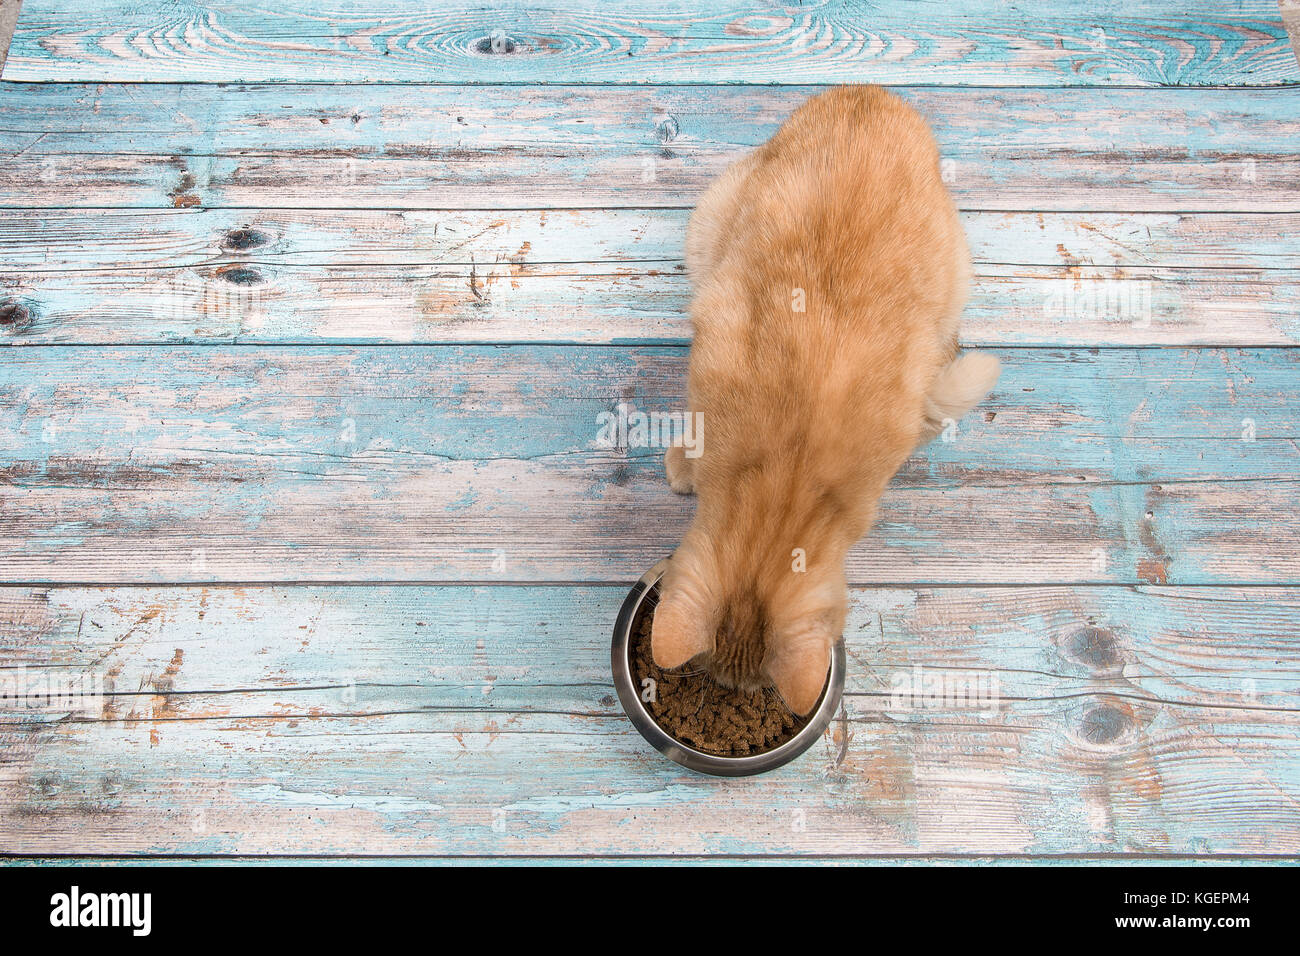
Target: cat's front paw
{"points": [[680, 470]]}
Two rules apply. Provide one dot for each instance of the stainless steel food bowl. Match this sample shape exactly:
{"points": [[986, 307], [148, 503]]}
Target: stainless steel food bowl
{"points": [[682, 753]]}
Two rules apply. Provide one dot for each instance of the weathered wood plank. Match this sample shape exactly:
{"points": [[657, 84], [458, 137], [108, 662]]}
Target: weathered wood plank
{"points": [[1118, 150], [1029, 781], [598, 276], [452, 463], [472, 720], [506, 301], [1178, 779], [273, 649], [61, 240], [65, 240], [976, 42]]}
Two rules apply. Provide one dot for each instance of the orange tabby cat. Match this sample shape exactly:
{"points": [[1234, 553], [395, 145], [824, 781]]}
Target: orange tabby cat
{"points": [[830, 269]]}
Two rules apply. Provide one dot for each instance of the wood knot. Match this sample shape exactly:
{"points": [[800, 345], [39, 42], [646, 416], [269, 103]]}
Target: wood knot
{"points": [[1104, 724], [15, 317], [182, 194], [243, 238], [667, 129], [240, 275], [495, 43], [1095, 647]]}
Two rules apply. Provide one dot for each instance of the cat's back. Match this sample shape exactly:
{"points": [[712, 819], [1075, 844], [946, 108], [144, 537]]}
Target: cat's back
{"points": [[853, 177], [840, 272], [842, 224]]}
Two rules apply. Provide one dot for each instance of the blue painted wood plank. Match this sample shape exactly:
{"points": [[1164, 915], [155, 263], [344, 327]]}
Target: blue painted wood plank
{"points": [[451, 463], [125, 146], [504, 302], [972, 43], [482, 721], [74, 240], [249, 650], [1193, 780], [599, 276]]}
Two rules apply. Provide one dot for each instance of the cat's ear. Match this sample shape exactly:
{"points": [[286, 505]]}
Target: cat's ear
{"points": [[798, 671], [678, 633]]}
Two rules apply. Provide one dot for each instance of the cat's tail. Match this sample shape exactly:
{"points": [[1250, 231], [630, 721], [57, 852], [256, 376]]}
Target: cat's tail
{"points": [[961, 386]]}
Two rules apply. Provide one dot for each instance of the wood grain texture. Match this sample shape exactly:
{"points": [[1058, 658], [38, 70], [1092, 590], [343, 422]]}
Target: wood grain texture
{"points": [[1117, 150], [598, 276], [586, 303], [481, 721], [972, 43], [437, 463], [69, 240]]}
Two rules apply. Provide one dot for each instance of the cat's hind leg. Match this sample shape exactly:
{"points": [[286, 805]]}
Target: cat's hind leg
{"points": [[957, 389], [680, 470]]}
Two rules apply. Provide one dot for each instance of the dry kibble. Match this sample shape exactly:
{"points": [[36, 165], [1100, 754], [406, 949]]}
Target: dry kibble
{"points": [[693, 708]]}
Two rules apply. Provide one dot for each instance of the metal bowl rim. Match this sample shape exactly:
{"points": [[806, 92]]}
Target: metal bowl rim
{"points": [[684, 754]]}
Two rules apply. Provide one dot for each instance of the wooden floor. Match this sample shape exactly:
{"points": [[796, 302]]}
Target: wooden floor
{"points": [[309, 315]]}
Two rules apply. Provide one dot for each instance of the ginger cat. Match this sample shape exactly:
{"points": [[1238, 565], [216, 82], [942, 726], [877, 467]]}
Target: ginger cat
{"points": [[830, 269]]}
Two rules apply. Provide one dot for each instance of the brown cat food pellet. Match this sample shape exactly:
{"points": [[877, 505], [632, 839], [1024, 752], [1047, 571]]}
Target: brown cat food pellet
{"points": [[693, 708]]}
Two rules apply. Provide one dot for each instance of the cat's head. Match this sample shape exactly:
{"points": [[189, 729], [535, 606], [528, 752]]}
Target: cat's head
{"points": [[751, 624]]}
